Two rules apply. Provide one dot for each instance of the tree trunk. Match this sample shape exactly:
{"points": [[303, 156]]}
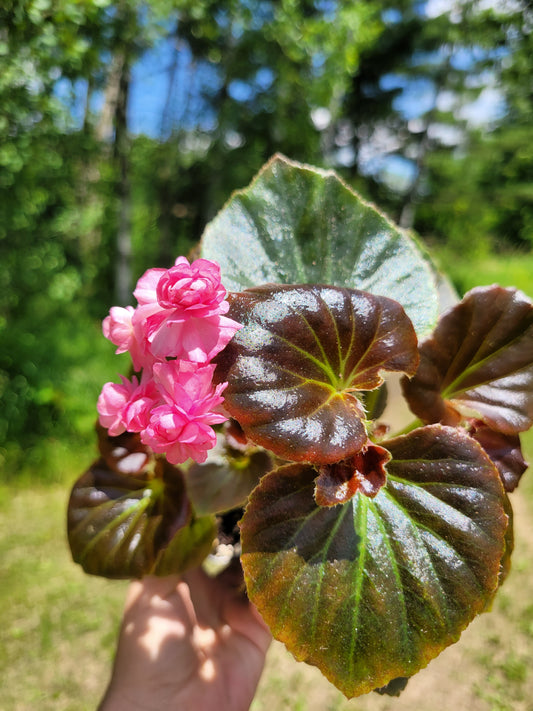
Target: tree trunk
{"points": [[123, 275], [407, 216], [106, 123]]}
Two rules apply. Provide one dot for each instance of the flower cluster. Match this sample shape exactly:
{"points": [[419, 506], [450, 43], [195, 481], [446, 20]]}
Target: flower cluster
{"points": [[176, 330]]}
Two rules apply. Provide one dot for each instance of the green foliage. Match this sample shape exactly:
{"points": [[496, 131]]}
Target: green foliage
{"points": [[53, 367], [56, 259], [469, 166], [46, 256], [483, 199], [303, 225], [511, 268]]}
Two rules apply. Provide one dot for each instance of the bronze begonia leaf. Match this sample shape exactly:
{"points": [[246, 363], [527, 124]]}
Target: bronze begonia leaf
{"points": [[478, 363], [128, 526], [295, 367], [373, 589]]}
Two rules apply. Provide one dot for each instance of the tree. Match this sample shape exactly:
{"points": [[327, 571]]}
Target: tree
{"points": [[43, 255], [79, 188], [419, 111], [488, 189], [256, 73], [87, 199]]}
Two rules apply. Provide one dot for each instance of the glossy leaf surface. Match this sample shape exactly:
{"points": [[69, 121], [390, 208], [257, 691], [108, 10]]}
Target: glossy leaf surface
{"points": [[373, 589], [299, 225], [479, 363], [127, 526], [302, 352], [126, 453], [505, 451]]}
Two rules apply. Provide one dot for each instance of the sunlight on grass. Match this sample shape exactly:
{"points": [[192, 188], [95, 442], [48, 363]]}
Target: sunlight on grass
{"points": [[509, 269], [58, 625]]}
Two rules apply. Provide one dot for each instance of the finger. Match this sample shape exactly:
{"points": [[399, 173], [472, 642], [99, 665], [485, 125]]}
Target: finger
{"points": [[206, 597], [222, 602], [159, 616], [245, 620], [141, 592], [158, 609]]}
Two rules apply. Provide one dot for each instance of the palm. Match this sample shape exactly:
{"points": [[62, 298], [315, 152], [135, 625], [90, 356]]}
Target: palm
{"points": [[194, 642]]}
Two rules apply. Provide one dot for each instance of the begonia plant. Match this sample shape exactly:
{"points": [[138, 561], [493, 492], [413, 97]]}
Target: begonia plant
{"points": [[310, 375]]}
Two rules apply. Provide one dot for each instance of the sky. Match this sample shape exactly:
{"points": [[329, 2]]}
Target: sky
{"points": [[149, 92], [168, 90]]}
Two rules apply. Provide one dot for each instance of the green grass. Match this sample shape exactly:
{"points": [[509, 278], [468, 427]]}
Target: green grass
{"points": [[507, 269], [58, 626]]}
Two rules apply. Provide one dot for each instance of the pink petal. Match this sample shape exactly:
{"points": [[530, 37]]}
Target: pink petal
{"points": [[117, 327], [145, 291], [112, 403]]}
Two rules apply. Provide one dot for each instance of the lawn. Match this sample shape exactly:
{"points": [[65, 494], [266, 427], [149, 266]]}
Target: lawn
{"points": [[506, 269], [58, 626]]}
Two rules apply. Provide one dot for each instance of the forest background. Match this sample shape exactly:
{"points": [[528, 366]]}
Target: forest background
{"points": [[124, 127]]}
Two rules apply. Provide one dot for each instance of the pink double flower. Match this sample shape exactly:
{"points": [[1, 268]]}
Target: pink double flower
{"points": [[178, 327]]}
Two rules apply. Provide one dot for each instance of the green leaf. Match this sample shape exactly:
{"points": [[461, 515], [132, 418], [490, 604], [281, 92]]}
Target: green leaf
{"points": [[122, 526], [188, 547], [373, 589], [303, 351], [479, 363], [299, 225]]}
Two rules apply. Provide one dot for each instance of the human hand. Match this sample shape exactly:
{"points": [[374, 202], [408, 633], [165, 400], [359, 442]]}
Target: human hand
{"points": [[189, 642]]}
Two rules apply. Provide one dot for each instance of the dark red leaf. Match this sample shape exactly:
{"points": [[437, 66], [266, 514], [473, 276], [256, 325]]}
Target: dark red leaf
{"points": [[373, 589], [505, 451], [296, 365], [478, 363], [230, 473], [125, 454], [127, 526]]}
